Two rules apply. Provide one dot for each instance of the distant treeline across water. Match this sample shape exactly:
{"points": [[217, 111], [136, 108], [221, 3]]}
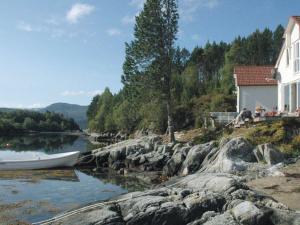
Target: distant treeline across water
{"points": [[23, 121]]}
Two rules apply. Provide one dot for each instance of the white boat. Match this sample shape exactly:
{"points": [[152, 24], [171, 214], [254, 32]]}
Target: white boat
{"points": [[67, 159]]}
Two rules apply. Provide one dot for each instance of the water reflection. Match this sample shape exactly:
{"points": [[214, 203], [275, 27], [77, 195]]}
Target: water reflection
{"points": [[37, 195], [127, 182], [36, 142], [38, 175]]}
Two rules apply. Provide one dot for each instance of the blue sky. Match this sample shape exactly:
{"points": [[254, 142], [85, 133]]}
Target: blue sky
{"points": [[68, 51]]}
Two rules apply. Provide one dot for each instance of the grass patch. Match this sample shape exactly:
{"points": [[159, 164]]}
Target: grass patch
{"points": [[282, 133]]}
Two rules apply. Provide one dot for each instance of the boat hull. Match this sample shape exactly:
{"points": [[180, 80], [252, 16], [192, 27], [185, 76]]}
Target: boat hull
{"points": [[52, 161]]}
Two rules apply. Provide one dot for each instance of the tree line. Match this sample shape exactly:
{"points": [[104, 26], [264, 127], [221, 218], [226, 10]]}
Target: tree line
{"points": [[168, 87], [22, 121]]}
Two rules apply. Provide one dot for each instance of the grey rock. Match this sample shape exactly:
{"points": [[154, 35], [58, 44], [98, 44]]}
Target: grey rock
{"points": [[219, 183], [195, 157], [248, 214], [174, 164], [153, 210], [234, 156], [267, 153], [222, 219], [205, 217], [103, 216], [202, 202]]}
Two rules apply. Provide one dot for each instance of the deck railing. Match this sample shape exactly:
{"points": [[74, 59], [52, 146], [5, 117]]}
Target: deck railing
{"points": [[223, 117]]}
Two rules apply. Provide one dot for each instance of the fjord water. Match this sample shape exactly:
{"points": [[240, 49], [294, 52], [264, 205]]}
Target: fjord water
{"points": [[32, 196]]}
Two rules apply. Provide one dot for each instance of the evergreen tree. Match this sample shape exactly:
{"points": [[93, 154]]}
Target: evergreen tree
{"points": [[149, 57], [277, 42]]}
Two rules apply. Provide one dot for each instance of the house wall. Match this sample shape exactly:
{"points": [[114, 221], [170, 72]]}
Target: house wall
{"points": [[285, 70], [252, 96]]}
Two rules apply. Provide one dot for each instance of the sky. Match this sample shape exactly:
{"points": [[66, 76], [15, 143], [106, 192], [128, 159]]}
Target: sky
{"points": [[70, 50]]}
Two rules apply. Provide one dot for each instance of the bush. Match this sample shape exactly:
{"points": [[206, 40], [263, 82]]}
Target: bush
{"points": [[283, 133], [207, 135], [267, 133]]}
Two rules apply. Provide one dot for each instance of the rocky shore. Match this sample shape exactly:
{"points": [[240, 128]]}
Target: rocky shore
{"points": [[207, 184]]}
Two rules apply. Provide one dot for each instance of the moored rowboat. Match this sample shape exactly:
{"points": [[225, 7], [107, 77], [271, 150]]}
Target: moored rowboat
{"points": [[68, 159]]}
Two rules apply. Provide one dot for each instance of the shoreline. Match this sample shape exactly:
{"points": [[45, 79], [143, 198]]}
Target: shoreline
{"points": [[207, 184]]}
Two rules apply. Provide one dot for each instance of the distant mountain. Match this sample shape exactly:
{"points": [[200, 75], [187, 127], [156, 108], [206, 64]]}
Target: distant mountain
{"points": [[7, 109], [77, 112]]}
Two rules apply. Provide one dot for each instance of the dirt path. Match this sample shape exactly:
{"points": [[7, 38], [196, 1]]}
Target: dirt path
{"points": [[284, 189]]}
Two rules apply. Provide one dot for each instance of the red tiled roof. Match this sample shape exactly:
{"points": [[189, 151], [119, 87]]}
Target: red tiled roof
{"points": [[254, 75], [296, 19]]}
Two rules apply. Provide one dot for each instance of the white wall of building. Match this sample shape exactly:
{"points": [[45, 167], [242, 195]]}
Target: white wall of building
{"points": [[252, 96], [285, 68]]}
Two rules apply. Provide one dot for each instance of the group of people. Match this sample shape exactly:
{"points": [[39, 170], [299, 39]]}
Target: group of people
{"points": [[246, 114]]}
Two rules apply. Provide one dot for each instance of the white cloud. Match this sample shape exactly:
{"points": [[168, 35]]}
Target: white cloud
{"points": [[24, 26], [188, 8], [212, 4], [78, 11], [21, 106], [128, 20], [113, 32], [196, 37], [68, 93], [53, 21], [35, 105], [137, 3]]}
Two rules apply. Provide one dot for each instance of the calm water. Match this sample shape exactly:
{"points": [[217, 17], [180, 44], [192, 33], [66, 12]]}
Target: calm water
{"points": [[37, 195]]}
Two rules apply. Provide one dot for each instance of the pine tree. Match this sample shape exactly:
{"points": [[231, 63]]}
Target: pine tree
{"points": [[149, 57]]}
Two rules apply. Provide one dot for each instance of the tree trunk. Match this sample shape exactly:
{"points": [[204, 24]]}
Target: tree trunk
{"points": [[170, 122]]}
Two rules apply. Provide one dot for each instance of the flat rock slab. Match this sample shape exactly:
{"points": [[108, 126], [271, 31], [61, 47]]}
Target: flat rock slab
{"points": [[285, 189]]}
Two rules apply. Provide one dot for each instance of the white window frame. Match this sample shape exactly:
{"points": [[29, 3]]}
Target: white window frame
{"points": [[287, 57], [296, 63]]}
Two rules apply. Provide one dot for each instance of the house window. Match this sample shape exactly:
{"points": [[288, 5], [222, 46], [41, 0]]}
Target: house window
{"points": [[286, 98], [296, 57], [287, 57]]}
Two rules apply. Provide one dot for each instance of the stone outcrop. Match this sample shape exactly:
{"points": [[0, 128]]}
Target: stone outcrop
{"points": [[209, 190], [267, 153], [146, 154], [195, 199]]}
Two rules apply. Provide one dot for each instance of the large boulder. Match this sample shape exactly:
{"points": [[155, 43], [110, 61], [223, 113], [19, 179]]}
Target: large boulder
{"points": [[218, 183], [195, 157], [108, 215], [232, 157], [222, 219], [151, 210], [154, 161], [248, 214], [202, 202], [267, 153], [174, 164], [129, 152]]}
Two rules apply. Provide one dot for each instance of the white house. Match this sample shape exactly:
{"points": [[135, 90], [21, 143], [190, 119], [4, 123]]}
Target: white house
{"points": [[255, 87], [288, 68]]}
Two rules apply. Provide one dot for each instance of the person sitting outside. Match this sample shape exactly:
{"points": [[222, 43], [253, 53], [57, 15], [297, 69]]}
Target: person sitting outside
{"points": [[259, 111], [244, 114]]}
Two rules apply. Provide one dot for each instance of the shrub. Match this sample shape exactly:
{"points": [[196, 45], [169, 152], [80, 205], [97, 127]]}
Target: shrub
{"points": [[267, 133], [207, 135]]}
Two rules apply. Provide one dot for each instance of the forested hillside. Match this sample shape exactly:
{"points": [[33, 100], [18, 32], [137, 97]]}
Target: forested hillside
{"points": [[77, 112], [22, 121], [201, 81]]}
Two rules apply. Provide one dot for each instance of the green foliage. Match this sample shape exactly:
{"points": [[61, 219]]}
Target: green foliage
{"points": [[283, 133], [22, 121], [268, 133], [259, 48], [207, 135], [191, 84], [77, 112]]}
